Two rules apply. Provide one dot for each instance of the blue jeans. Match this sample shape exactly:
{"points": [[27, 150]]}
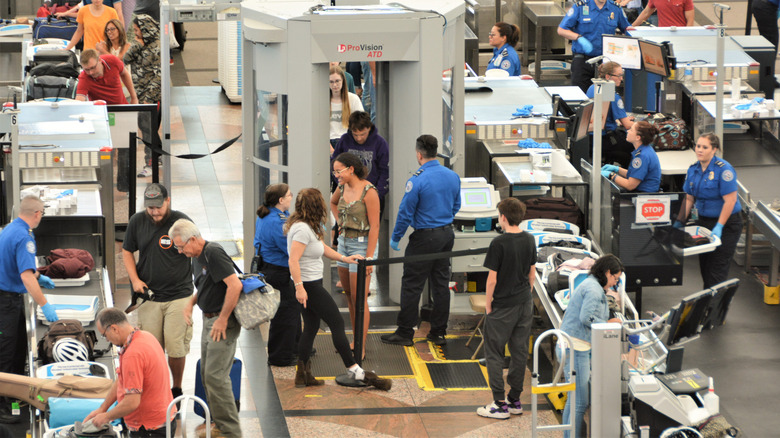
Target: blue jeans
{"points": [[369, 92], [582, 368]]}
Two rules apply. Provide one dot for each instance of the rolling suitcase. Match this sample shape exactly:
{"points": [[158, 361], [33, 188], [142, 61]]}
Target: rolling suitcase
{"points": [[50, 87], [235, 379], [53, 56], [49, 27]]}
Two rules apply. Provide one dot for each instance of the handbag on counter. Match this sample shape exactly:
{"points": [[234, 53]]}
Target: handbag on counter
{"points": [[258, 301]]}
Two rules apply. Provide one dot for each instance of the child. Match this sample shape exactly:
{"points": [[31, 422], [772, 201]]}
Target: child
{"points": [[509, 308]]}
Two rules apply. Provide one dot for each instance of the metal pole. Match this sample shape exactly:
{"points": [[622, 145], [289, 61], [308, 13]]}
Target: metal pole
{"points": [[360, 309], [595, 174], [721, 71], [165, 82]]}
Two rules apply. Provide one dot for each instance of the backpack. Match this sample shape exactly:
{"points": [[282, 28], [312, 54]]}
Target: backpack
{"points": [[58, 69], [65, 328], [50, 87]]}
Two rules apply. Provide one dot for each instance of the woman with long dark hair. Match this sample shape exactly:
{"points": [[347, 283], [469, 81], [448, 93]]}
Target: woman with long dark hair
{"points": [[114, 40], [271, 245], [305, 230]]}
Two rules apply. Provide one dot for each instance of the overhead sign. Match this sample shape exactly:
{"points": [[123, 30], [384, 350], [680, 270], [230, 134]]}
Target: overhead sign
{"points": [[652, 209]]}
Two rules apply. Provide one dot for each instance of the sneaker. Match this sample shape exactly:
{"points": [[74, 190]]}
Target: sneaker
{"points": [[437, 339], [396, 339], [146, 172], [514, 407], [494, 411]]}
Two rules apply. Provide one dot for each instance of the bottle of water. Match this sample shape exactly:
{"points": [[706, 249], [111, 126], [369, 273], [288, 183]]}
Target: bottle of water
{"points": [[688, 74]]}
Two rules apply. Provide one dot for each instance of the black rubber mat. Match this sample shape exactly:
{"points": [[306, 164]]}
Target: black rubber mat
{"points": [[456, 349], [456, 375], [384, 359]]}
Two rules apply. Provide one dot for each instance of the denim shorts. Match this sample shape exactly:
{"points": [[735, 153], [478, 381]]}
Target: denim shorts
{"points": [[353, 245]]}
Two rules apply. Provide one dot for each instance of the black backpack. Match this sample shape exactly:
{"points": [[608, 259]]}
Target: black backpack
{"points": [[65, 328], [58, 69]]}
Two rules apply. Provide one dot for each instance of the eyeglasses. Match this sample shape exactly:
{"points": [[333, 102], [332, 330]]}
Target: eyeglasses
{"points": [[110, 29], [617, 76], [42, 212], [183, 245], [105, 331], [336, 173], [90, 68], [491, 34], [337, 81]]}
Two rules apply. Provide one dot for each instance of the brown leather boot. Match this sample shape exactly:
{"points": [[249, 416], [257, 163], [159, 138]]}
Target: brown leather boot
{"points": [[310, 380], [303, 375]]}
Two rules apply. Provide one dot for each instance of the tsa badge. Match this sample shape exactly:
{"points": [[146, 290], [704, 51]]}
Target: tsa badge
{"points": [[409, 186], [31, 247], [505, 64], [612, 16], [711, 176], [636, 163], [727, 175]]}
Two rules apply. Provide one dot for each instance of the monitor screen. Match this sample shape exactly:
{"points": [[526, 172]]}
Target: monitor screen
{"points": [[685, 320], [475, 198], [584, 114], [722, 295], [623, 50], [654, 58]]}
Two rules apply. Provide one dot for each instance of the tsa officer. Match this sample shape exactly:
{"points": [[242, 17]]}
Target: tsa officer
{"points": [[503, 37], [429, 205], [584, 24], [644, 172], [17, 277], [711, 201]]}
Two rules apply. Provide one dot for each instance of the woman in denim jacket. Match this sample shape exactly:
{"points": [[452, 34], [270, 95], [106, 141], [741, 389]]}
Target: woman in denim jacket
{"points": [[587, 306]]}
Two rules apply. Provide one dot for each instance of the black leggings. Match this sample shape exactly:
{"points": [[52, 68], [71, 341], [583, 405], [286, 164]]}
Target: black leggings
{"points": [[320, 305]]}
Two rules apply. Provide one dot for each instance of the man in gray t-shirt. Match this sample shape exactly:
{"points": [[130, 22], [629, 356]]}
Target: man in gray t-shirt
{"points": [[165, 272]]}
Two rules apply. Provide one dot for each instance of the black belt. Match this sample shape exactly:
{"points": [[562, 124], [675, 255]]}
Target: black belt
{"points": [[582, 55], [9, 294], [443, 227], [211, 314]]}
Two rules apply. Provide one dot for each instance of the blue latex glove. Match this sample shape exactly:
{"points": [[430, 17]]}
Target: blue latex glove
{"points": [[394, 245], [45, 282], [678, 224], [610, 168], [49, 312], [525, 111], [717, 230], [587, 46], [606, 174]]}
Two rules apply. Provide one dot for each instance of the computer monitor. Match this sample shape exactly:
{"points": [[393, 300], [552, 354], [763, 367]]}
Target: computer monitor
{"points": [[560, 111], [655, 58], [582, 121], [622, 49], [722, 294], [685, 319], [476, 198]]}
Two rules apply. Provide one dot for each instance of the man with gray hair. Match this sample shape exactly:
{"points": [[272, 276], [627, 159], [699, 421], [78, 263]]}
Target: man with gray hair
{"points": [[218, 289], [17, 277], [141, 386]]}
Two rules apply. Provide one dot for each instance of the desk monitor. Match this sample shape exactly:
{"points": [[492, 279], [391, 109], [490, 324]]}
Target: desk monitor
{"points": [[622, 49], [475, 198], [560, 109], [685, 319], [722, 295], [655, 58], [582, 121], [478, 199]]}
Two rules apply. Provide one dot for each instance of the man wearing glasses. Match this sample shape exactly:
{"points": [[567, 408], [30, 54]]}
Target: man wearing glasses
{"points": [[17, 277], [217, 295], [102, 78], [141, 386], [164, 271]]}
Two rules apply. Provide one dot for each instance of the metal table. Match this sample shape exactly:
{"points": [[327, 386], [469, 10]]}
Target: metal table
{"points": [[767, 221], [540, 14]]}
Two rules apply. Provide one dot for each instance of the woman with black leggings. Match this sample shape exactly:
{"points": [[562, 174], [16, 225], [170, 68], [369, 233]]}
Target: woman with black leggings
{"points": [[305, 229]]}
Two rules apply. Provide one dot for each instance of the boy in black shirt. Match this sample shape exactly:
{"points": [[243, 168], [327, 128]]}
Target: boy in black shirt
{"points": [[511, 260]]}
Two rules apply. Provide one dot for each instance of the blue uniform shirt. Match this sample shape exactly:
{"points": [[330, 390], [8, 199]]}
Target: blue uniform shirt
{"points": [[617, 110], [17, 246], [269, 235], [646, 168], [505, 58], [586, 19], [431, 200], [709, 186]]}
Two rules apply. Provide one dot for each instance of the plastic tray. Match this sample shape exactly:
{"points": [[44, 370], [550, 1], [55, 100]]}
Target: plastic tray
{"points": [[707, 247], [76, 367], [84, 308], [559, 297], [71, 282]]}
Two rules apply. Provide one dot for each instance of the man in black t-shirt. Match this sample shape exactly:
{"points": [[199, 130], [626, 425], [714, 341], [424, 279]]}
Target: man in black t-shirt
{"points": [[217, 295], [511, 260], [165, 272]]}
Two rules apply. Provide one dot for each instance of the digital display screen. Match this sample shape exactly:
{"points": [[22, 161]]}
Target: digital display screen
{"points": [[623, 50], [478, 197], [584, 121], [653, 58]]}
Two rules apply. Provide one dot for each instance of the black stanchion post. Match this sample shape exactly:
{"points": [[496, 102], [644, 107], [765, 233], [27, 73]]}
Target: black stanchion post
{"points": [[131, 179], [155, 155], [360, 308]]}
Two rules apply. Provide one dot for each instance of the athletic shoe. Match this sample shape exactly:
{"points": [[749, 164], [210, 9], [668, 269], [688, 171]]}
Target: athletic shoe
{"points": [[437, 339], [514, 407], [146, 172], [494, 411], [396, 339]]}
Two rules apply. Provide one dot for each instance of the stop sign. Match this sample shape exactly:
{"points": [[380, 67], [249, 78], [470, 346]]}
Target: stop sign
{"points": [[653, 211]]}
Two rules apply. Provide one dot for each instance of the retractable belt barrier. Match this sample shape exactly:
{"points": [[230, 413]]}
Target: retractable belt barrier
{"points": [[360, 298], [160, 151]]}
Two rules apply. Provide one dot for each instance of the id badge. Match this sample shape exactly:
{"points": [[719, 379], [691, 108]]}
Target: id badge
{"points": [[361, 239], [694, 214], [585, 10]]}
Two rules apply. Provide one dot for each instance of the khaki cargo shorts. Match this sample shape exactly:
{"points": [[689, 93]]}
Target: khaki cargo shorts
{"points": [[165, 320]]}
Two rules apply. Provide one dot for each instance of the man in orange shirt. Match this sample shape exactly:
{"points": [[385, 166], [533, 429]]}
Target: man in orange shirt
{"points": [[142, 388]]}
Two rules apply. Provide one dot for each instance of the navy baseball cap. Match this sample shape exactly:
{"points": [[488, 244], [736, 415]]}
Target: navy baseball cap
{"points": [[154, 195]]}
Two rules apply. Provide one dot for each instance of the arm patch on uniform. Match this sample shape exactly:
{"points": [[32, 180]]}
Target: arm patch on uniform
{"points": [[636, 163], [31, 247], [727, 175], [409, 186], [505, 64]]}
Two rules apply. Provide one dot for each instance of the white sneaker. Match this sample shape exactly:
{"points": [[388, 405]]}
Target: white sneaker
{"points": [[146, 172], [493, 411], [515, 408]]}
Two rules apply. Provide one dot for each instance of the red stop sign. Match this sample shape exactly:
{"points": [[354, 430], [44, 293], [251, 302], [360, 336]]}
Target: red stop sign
{"points": [[653, 210]]}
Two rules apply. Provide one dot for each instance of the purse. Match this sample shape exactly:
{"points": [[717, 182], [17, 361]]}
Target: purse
{"points": [[258, 301]]}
